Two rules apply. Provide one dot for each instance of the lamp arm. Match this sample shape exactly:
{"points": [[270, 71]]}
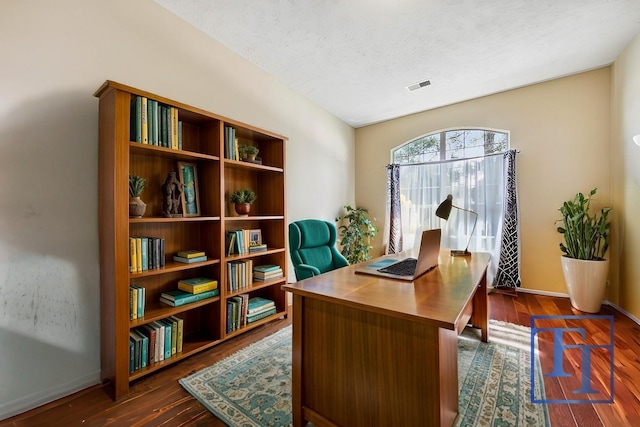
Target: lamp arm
{"points": [[472, 229]]}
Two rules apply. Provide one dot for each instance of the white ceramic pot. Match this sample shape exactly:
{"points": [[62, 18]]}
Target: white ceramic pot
{"points": [[586, 282]]}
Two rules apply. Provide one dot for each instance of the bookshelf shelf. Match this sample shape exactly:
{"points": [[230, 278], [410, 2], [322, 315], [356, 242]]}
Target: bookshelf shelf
{"points": [[201, 139]]}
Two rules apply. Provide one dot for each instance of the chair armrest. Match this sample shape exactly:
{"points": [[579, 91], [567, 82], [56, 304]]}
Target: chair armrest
{"points": [[308, 269]]}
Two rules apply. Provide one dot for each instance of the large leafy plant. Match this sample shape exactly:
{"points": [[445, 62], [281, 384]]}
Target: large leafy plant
{"points": [[586, 236], [355, 233]]}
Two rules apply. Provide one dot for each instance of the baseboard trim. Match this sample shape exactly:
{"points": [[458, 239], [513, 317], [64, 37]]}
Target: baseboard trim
{"points": [[624, 312], [27, 403], [538, 292], [564, 295]]}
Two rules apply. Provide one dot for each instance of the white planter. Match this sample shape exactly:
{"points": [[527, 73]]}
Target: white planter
{"points": [[586, 282]]}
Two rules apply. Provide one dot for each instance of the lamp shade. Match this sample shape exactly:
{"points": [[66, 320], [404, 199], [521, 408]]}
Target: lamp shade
{"points": [[444, 210], [636, 139]]}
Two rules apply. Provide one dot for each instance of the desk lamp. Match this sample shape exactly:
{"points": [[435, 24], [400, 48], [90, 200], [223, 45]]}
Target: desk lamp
{"points": [[444, 210]]}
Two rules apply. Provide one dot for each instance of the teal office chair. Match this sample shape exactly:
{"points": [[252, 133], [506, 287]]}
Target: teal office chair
{"points": [[312, 243]]}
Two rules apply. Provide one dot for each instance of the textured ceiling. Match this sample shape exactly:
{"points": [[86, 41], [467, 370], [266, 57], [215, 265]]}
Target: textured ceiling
{"points": [[355, 58]]}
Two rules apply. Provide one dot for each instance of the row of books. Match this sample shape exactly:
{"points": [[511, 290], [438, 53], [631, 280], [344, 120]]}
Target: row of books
{"points": [[190, 290], [137, 298], [145, 253], [264, 273], [244, 241], [242, 310], [155, 124], [239, 274], [231, 144], [155, 342]]}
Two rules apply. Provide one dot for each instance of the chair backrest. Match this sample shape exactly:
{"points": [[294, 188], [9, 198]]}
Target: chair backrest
{"points": [[312, 246]]}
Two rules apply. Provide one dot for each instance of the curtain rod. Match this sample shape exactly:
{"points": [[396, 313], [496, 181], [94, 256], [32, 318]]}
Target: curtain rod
{"points": [[502, 153]]}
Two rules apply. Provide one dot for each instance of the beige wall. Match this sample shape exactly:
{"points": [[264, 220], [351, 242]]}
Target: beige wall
{"points": [[626, 174], [562, 129], [54, 56]]}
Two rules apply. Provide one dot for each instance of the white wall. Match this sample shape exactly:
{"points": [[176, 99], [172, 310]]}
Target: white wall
{"points": [[562, 129], [54, 56]]}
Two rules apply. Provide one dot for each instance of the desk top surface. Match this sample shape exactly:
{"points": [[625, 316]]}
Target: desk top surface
{"points": [[438, 297]]}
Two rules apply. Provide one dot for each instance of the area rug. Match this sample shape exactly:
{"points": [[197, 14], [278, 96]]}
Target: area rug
{"points": [[252, 388]]}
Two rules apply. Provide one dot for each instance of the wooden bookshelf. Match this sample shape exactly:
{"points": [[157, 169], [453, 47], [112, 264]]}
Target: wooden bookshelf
{"points": [[203, 144]]}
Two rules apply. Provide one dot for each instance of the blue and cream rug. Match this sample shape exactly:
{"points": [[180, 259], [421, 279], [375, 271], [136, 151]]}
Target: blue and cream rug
{"points": [[252, 388]]}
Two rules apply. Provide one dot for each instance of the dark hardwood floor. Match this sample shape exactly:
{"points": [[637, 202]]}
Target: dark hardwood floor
{"points": [[160, 401]]}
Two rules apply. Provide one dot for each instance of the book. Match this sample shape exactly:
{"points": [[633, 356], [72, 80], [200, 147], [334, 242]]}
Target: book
{"points": [[150, 332], [133, 256], [258, 248], [189, 260], [162, 253], [261, 315], [178, 298], [180, 336], [174, 128], [191, 253], [197, 285], [136, 119], [138, 254], [143, 125], [160, 334], [144, 245], [266, 268], [132, 358], [133, 302], [167, 337], [256, 304]]}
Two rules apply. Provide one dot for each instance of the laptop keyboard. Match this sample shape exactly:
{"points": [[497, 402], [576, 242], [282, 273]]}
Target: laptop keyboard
{"points": [[406, 267]]}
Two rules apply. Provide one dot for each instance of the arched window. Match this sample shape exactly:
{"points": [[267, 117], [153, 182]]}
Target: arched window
{"points": [[465, 163]]}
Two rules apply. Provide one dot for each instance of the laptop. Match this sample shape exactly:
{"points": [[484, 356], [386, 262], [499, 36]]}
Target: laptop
{"points": [[408, 268]]}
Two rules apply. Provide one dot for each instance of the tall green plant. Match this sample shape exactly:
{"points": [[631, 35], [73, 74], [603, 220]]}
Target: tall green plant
{"points": [[585, 236], [356, 234]]}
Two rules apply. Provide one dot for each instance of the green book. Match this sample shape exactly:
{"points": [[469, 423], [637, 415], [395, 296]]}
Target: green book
{"points": [[266, 268], [177, 298]]}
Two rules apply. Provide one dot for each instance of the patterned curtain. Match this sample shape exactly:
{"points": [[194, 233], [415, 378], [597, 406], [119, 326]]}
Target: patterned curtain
{"points": [[508, 274], [394, 222]]}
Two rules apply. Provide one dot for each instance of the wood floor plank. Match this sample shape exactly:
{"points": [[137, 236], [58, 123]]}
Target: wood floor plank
{"points": [[159, 400]]}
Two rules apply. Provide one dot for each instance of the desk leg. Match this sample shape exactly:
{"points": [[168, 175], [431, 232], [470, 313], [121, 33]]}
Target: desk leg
{"points": [[480, 316], [296, 363]]}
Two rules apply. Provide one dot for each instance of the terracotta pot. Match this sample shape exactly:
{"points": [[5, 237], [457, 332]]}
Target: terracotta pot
{"points": [[242, 209], [586, 282], [136, 207]]}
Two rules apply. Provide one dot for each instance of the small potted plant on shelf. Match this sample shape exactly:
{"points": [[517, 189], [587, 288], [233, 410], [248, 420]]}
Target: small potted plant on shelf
{"points": [[242, 200], [586, 240], [356, 234], [248, 152], [136, 206]]}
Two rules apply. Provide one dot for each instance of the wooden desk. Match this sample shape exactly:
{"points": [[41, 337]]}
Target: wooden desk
{"points": [[370, 351]]}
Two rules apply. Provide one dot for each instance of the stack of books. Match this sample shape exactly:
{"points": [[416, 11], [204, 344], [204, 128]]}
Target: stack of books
{"points": [[190, 256], [259, 308], [155, 342], [179, 298], [264, 273]]}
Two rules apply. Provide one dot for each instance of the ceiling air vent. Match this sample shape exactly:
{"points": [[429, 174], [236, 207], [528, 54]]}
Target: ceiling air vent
{"points": [[418, 85]]}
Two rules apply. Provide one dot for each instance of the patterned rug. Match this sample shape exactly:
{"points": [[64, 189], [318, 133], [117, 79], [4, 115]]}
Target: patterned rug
{"points": [[252, 388]]}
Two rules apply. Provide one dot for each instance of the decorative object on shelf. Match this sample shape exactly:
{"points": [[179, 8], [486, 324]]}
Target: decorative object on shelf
{"points": [[356, 234], [242, 200], [136, 206], [190, 197], [248, 152], [444, 210], [171, 195], [586, 240]]}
